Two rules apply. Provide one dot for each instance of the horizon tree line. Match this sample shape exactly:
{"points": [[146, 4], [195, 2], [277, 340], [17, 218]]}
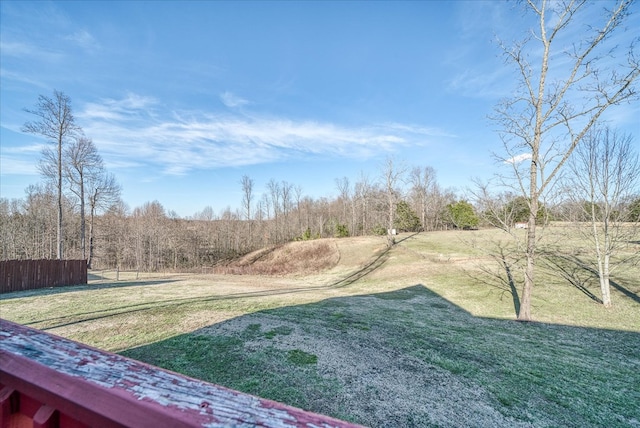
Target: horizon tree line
{"points": [[150, 237], [143, 237]]}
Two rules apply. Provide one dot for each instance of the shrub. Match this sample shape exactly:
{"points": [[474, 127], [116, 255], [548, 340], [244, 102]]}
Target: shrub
{"points": [[406, 218], [342, 231], [379, 230], [462, 215]]}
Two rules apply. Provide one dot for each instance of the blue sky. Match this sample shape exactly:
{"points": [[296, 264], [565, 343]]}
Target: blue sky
{"points": [[184, 98]]}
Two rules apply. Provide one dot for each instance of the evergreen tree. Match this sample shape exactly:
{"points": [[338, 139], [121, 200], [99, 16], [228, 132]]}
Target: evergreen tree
{"points": [[462, 215], [406, 219]]}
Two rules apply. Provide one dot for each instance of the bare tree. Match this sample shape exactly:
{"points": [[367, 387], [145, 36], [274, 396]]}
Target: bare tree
{"points": [[247, 198], [55, 122], [205, 215], [274, 201], [565, 86], [116, 236], [103, 191], [606, 171], [81, 164], [28, 225], [263, 211], [344, 188], [502, 210], [247, 195], [423, 191], [298, 195], [150, 231], [362, 193], [286, 192], [392, 175]]}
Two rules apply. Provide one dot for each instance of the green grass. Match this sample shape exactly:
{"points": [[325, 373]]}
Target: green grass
{"points": [[118, 316], [301, 358], [278, 331], [273, 373], [436, 303], [537, 373]]}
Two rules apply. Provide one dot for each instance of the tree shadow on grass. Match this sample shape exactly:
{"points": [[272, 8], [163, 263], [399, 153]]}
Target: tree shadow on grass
{"points": [[376, 359], [77, 318], [511, 282], [503, 278], [367, 269], [570, 268], [81, 287], [579, 273], [630, 294], [573, 271]]}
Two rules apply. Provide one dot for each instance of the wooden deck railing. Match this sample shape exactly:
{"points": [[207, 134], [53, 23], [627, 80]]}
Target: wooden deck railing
{"points": [[48, 381]]}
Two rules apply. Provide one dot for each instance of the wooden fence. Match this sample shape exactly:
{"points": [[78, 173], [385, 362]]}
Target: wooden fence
{"points": [[49, 381], [19, 275]]}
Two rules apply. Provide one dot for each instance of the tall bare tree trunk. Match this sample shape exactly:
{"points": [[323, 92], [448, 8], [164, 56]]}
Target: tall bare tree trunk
{"points": [[90, 256], [529, 274], [60, 234], [82, 221], [55, 122]]}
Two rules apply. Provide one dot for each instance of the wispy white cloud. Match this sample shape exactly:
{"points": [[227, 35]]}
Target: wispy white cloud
{"points": [[83, 39], [14, 48], [12, 165], [20, 159], [232, 101], [25, 49], [126, 109], [415, 129], [25, 149], [518, 158], [12, 76], [479, 83], [135, 130]]}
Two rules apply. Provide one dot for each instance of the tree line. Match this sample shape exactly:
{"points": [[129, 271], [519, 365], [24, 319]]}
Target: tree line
{"points": [[151, 237]]}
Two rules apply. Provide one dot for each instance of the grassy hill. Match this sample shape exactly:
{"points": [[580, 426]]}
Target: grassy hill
{"points": [[421, 335]]}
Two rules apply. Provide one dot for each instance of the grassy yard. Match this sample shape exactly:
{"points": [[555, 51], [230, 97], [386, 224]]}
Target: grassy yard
{"points": [[421, 335]]}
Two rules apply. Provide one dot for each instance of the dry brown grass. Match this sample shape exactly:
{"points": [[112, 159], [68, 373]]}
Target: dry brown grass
{"points": [[294, 258]]}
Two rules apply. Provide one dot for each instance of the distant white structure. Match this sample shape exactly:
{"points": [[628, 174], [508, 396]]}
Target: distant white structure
{"points": [[522, 225]]}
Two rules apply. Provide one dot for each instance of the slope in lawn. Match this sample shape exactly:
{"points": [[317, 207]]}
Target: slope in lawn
{"points": [[410, 358], [293, 258]]}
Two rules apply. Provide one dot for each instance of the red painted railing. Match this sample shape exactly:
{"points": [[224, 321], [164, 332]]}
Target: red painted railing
{"points": [[48, 381]]}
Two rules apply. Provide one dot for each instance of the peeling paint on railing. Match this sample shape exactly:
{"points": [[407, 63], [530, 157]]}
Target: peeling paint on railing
{"points": [[98, 387]]}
